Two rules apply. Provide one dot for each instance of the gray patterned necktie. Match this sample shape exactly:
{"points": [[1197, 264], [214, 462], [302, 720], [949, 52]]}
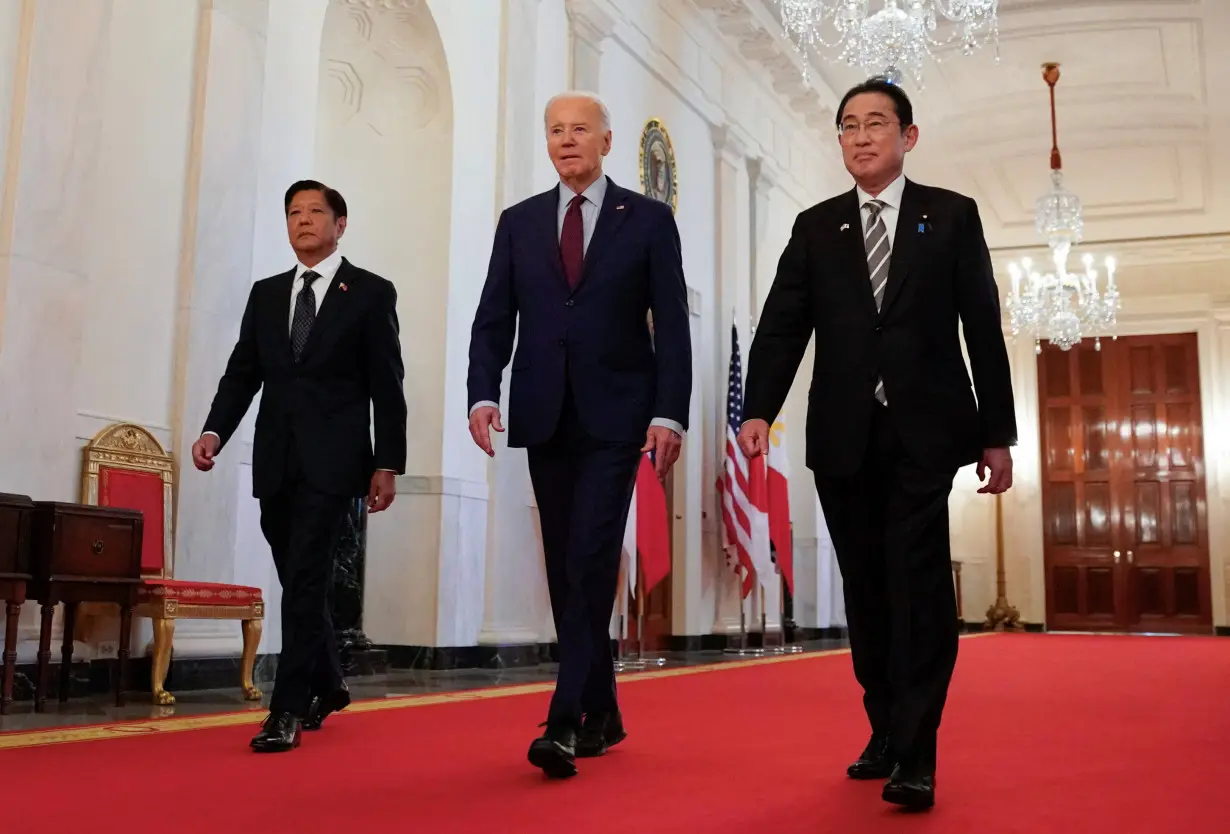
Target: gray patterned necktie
{"points": [[878, 257], [305, 314]]}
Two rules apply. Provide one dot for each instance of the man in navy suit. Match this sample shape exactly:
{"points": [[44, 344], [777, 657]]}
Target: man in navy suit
{"points": [[583, 265]]}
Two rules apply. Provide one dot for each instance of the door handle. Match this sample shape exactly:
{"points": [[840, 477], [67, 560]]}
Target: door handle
{"points": [[1129, 555], [1116, 557]]}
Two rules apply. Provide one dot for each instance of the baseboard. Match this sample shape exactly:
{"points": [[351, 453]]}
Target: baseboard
{"points": [[97, 677], [1221, 631], [470, 657]]}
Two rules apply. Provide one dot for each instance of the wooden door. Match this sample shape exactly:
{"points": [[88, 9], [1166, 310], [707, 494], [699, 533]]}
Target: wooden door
{"points": [[1126, 537]]}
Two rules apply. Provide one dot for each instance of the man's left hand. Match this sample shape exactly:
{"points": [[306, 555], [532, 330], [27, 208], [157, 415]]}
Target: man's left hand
{"points": [[999, 462], [664, 443], [380, 496]]}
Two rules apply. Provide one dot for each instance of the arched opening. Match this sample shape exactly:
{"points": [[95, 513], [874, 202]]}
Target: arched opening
{"points": [[384, 138]]}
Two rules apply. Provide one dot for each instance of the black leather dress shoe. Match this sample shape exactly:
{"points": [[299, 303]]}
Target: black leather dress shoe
{"points": [[322, 705], [599, 733], [911, 786], [875, 762], [279, 733], [555, 752]]}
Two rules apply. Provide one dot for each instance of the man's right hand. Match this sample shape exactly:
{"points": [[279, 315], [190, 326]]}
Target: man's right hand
{"points": [[754, 438], [204, 451], [482, 421]]}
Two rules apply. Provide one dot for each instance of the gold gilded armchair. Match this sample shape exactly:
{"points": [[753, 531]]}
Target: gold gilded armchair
{"points": [[126, 467]]}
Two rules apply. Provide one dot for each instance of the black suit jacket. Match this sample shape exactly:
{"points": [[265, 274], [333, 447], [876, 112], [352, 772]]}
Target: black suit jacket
{"points": [[940, 282], [595, 338], [320, 408]]}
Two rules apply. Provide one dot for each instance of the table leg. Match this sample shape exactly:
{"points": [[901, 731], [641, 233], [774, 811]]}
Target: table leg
{"points": [[66, 650], [44, 658], [10, 656], [121, 678]]}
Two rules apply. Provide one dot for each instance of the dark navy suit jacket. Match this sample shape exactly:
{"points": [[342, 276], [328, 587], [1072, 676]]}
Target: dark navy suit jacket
{"points": [[594, 338]]}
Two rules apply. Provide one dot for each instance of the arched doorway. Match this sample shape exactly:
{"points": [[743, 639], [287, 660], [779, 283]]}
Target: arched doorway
{"points": [[384, 138]]}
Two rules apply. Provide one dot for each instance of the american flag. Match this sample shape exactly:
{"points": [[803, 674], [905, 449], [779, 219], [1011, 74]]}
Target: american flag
{"points": [[733, 484]]}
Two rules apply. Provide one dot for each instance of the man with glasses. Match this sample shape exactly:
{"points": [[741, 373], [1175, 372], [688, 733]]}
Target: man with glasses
{"points": [[886, 275]]}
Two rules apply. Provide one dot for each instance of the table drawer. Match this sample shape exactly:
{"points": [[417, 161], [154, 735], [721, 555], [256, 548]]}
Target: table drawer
{"points": [[96, 547], [15, 513], [83, 542]]}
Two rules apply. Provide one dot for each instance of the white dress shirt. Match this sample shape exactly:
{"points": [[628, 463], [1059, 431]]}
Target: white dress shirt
{"points": [[891, 198], [591, 206], [326, 269]]}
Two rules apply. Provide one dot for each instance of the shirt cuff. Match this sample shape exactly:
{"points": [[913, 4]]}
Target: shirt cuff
{"points": [[214, 433], [667, 424], [482, 404], [394, 471]]}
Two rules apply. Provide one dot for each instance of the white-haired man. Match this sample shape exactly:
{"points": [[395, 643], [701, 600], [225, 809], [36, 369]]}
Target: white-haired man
{"points": [[581, 266]]}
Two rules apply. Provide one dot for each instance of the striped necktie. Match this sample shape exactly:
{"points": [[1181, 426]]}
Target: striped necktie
{"points": [[878, 256]]}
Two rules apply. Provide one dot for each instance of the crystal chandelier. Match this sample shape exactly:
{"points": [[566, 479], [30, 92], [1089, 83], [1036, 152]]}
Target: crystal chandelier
{"points": [[1060, 306], [896, 39]]}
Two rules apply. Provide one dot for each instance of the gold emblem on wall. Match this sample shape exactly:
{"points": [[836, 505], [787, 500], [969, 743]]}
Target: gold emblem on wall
{"points": [[658, 164]]}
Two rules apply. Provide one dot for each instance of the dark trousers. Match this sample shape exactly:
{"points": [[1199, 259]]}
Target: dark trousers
{"points": [[584, 489], [302, 526], [889, 525]]}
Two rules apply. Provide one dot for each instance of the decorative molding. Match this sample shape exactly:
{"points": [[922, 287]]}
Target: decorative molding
{"points": [[441, 485], [1162, 251], [390, 5], [760, 39], [729, 144], [592, 20]]}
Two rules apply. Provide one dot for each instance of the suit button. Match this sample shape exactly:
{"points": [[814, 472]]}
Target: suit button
{"points": [[569, 303], [561, 342], [879, 328]]}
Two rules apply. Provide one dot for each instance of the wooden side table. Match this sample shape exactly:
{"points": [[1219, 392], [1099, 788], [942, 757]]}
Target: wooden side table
{"points": [[82, 554], [15, 512]]}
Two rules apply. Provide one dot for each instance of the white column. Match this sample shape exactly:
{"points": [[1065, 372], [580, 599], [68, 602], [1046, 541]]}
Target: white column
{"points": [[591, 24], [515, 590], [760, 185], [734, 304]]}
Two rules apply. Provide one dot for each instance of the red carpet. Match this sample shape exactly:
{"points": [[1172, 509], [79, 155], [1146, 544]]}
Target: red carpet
{"points": [[1043, 735]]}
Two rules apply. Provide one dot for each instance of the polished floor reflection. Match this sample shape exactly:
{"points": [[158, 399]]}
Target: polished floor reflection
{"points": [[101, 709]]}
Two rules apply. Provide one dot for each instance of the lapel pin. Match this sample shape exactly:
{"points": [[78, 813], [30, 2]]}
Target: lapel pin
{"points": [[845, 226], [342, 287], [619, 207]]}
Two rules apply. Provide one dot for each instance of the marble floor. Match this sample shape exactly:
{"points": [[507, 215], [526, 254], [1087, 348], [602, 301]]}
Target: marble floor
{"points": [[101, 709]]}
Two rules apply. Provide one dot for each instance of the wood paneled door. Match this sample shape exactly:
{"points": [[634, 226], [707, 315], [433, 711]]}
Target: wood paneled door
{"points": [[1123, 486]]}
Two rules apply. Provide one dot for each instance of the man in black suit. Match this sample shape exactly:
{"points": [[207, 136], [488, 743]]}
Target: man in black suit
{"points": [[322, 340], [885, 275], [583, 265]]}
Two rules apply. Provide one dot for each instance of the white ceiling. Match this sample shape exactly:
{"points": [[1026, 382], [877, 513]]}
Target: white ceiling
{"points": [[1143, 109]]}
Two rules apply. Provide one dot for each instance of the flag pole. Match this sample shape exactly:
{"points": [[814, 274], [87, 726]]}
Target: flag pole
{"points": [[784, 648], [623, 663], [744, 650]]}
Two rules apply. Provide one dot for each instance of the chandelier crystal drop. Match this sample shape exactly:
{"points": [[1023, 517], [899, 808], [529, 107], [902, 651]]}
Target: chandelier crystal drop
{"points": [[1056, 305], [894, 40]]}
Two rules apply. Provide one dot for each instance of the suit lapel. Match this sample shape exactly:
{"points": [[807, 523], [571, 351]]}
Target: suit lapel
{"points": [[615, 210], [283, 285], [851, 234], [905, 242], [331, 307], [547, 227]]}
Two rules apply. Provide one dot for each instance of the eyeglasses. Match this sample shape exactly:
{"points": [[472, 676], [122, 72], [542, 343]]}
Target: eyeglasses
{"points": [[875, 128]]}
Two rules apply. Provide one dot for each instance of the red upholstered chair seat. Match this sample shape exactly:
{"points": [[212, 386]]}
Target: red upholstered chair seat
{"points": [[198, 593]]}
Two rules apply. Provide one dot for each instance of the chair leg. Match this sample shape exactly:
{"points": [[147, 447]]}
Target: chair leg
{"points": [[251, 641], [164, 637]]}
